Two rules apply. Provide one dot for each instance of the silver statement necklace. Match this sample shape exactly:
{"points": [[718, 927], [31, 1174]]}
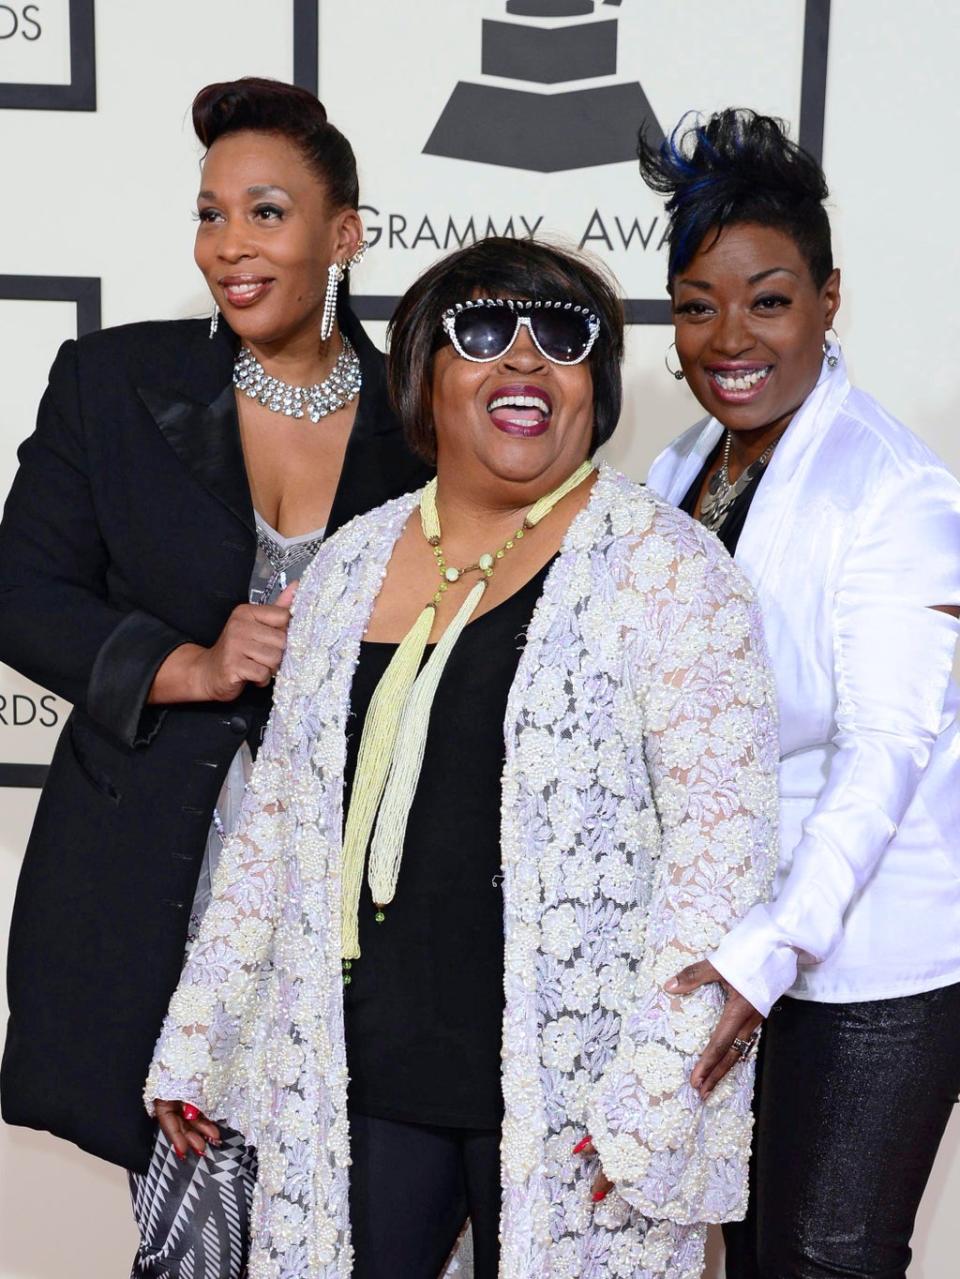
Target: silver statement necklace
{"points": [[337, 389], [721, 494]]}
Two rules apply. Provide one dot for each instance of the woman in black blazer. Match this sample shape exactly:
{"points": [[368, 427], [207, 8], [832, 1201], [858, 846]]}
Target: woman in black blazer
{"points": [[126, 552]]}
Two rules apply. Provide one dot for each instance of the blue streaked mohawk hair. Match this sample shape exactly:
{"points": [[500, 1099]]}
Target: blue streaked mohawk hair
{"points": [[733, 167]]}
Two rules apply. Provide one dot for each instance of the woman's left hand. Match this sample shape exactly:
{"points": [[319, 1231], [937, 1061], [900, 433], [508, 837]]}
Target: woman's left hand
{"points": [[185, 1127], [738, 1021], [601, 1185]]}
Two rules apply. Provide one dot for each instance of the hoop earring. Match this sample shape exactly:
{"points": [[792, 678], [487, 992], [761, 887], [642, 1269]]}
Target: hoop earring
{"points": [[832, 356], [335, 274], [214, 320], [677, 373]]}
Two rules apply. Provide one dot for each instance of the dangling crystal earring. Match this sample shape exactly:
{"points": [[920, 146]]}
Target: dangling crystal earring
{"points": [[214, 319], [832, 355], [677, 373], [335, 274]]}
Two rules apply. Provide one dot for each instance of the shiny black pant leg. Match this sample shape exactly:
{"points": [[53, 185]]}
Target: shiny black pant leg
{"points": [[852, 1104]]}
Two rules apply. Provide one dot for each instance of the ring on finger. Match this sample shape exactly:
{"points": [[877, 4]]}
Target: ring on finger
{"points": [[744, 1047]]}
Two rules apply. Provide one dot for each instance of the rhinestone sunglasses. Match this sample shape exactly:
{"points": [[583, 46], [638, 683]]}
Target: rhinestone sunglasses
{"points": [[484, 329]]}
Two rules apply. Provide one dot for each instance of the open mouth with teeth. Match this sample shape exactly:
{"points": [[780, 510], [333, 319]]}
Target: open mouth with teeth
{"points": [[740, 381], [521, 410]]}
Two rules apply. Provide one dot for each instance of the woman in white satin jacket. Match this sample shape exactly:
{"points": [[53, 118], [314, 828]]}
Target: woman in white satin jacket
{"points": [[849, 529]]}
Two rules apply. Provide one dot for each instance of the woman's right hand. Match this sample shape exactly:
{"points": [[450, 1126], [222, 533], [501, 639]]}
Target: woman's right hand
{"points": [[249, 650], [185, 1127]]}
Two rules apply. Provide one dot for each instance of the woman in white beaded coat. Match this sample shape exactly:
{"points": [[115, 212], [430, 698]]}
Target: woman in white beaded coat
{"points": [[584, 771]]}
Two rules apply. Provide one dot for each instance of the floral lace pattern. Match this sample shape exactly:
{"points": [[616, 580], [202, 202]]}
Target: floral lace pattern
{"points": [[639, 822]]}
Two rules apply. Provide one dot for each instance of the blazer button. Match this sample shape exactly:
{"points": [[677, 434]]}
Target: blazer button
{"points": [[240, 725]]}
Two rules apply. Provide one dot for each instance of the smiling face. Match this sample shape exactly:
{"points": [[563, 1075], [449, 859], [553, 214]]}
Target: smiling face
{"points": [[519, 420], [267, 236], [750, 325]]}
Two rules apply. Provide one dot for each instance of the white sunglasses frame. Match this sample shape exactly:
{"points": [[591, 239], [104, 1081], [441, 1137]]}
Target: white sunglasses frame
{"points": [[449, 318]]}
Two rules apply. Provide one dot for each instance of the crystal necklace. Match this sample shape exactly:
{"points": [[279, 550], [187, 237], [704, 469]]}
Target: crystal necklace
{"points": [[337, 389], [721, 494], [395, 729]]}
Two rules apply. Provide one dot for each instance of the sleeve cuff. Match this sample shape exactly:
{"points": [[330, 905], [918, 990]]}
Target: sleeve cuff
{"points": [[122, 673], [162, 1086], [688, 1165], [756, 961]]}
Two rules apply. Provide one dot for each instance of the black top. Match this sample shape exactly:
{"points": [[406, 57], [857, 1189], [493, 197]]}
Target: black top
{"points": [[424, 1004], [736, 517], [128, 530]]}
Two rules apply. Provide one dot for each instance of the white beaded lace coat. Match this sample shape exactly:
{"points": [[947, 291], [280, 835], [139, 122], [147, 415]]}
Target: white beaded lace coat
{"points": [[639, 820]]}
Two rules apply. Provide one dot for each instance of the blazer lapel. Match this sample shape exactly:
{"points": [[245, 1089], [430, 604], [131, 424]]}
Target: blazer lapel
{"points": [[682, 461], [198, 419], [772, 513]]}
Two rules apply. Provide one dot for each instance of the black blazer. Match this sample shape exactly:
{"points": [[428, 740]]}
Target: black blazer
{"points": [[129, 530]]}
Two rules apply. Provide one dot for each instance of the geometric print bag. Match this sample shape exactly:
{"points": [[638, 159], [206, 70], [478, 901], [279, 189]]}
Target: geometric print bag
{"points": [[194, 1214]]}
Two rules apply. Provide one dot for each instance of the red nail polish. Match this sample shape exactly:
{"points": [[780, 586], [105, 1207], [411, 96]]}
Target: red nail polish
{"points": [[181, 1154], [582, 1144], [598, 1195]]}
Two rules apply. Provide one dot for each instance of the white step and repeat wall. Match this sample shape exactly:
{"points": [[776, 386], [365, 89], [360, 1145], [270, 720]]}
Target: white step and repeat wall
{"points": [[466, 118]]}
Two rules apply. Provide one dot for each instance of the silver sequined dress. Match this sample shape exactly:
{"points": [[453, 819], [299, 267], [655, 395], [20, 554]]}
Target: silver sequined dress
{"points": [[280, 560]]}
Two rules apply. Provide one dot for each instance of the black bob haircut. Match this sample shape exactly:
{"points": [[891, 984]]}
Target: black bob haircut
{"points": [[270, 106], [499, 266], [736, 167]]}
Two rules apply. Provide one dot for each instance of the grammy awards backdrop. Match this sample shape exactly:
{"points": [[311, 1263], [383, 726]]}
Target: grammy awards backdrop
{"points": [[468, 117]]}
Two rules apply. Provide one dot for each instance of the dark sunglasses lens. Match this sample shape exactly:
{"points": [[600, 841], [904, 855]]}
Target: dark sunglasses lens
{"points": [[563, 335], [484, 333]]}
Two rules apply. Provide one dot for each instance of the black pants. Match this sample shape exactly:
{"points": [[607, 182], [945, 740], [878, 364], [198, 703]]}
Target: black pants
{"points": [[852, 1101], [412, 1188]]}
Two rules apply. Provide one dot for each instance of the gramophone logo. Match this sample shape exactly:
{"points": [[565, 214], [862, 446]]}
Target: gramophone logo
{"points": [[551, 118], [538, 138]]}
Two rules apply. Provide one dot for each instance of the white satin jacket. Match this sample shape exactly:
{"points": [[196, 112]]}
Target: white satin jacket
{"points": [[852, 536]]}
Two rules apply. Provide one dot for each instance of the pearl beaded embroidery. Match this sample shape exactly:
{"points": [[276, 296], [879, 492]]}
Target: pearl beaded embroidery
{"points": [[639, 818]]}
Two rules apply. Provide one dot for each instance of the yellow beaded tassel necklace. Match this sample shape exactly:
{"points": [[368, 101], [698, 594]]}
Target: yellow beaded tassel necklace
{"points": [[395, 730]]}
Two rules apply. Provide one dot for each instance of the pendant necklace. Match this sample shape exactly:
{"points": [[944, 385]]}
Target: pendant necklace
{"points": [[721, 494], [395, 729]]}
